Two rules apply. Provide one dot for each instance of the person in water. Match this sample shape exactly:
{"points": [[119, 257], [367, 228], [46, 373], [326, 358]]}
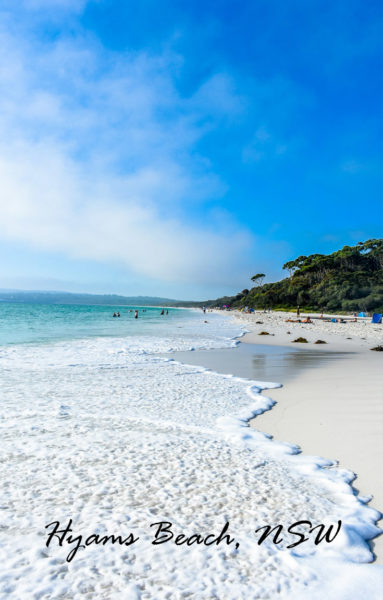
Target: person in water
{"points": [[136, 314], [162, 312], [114, 315], [118, 314], [167, 312]]}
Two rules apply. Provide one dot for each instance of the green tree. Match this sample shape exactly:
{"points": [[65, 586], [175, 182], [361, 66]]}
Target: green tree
{"points": [[258, 278]]}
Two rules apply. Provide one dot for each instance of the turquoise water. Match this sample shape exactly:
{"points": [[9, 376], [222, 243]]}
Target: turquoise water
{"points": [[35, 323]]}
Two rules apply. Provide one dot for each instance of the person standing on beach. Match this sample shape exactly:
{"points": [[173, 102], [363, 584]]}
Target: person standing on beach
{"points": [[298, 311]]}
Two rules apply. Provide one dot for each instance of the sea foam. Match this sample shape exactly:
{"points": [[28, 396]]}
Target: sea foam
{"points": [[106, 432]]}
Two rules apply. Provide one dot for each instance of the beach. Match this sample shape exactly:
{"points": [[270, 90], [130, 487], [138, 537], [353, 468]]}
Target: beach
{"points": [[113, 435], [331, 407]]}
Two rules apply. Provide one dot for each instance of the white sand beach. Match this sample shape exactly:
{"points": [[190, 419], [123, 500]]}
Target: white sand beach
{"points": [[336, 410], [331, 402]]}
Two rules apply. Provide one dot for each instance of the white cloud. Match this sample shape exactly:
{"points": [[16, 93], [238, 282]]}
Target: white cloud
{"points": [[262, 145], [47, 201], [99, 161]]}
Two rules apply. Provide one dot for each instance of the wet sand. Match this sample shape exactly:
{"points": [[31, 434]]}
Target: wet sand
{"points": [[331, 402], [262, 362]]}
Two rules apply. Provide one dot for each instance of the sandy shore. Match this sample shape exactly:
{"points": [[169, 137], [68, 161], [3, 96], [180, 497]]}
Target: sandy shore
{"points": [[331, 402], [336, 410]]}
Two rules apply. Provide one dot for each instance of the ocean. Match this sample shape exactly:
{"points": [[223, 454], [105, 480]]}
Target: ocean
{"points": [[103, 435]]}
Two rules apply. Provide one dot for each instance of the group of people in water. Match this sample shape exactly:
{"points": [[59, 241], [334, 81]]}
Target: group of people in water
{"points": [[117, 314]]}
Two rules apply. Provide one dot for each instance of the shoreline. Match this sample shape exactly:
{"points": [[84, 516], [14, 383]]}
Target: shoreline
{"points": [[335, 410], [121, 435], [331, 406]]}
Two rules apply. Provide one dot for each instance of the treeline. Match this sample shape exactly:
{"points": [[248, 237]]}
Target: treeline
{"points": [[350, 279]]}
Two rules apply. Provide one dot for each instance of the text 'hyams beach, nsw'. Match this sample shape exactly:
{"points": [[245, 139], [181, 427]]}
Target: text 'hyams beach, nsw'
{"points": [[191, 300]]}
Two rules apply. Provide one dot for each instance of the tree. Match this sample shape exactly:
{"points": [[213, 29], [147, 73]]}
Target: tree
{"points": [[258, 278], [350, 278]]}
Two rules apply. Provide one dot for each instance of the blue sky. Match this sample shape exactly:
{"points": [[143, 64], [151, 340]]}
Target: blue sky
{"points": [[176, 148]]}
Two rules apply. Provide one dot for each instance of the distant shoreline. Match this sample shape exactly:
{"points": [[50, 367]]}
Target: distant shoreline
{"points": [[74, 299]]}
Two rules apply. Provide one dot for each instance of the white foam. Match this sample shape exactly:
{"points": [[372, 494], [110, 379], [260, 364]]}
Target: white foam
{"points": [[107, 433]]}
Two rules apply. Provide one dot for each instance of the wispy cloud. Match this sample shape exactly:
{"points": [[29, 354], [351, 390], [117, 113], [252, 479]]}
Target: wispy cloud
{"points": [[263, 145], [98, 159], [159, 146]]}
